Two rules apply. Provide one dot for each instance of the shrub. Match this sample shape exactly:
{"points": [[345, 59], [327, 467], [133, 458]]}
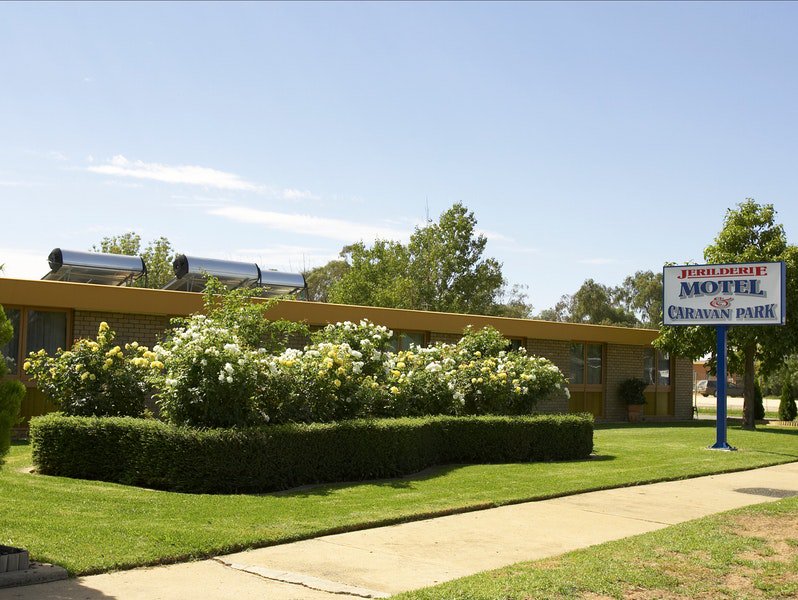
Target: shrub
{"points": [[95, 377], [787, 409], [630, 391], [787, 376], [159, 455], [334, 380], [11, 391], [217, 364], [209, 377], [236, 311], [324, 383], [759, 403], [482, 342]]}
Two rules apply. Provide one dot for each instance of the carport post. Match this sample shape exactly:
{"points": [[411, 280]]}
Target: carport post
{"points": [[720, 391]]}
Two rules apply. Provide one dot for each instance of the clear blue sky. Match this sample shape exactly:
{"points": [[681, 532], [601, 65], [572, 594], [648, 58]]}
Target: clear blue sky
{"points": [[589, 139]]}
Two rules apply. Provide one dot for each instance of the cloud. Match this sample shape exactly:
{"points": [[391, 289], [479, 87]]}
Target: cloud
{"points": [[334, 229], [119, 166], [292, 194]]}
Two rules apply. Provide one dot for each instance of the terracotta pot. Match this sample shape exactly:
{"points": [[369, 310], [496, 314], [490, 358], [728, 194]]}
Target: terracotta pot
{"points": [[635, 412]]}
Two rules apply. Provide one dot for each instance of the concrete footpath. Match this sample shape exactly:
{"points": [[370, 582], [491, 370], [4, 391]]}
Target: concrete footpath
{"points": [[383, 561]]}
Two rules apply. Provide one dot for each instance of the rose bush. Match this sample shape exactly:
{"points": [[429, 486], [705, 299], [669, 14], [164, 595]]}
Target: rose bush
{"points": [[95, 377], [332, 380], [209, 377]]}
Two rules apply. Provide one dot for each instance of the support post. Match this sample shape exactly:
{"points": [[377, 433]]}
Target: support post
{"points": [[720, 425]]}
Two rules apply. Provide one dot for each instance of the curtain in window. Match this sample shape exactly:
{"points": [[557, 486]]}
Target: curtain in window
{"points": [[46, 330]]}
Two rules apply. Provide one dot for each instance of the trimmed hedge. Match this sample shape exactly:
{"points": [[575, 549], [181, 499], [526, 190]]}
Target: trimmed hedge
{"points": [[153, 454]]}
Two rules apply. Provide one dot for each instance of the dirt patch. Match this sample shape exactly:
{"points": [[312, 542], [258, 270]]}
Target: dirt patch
{"points": [[779, 532]]}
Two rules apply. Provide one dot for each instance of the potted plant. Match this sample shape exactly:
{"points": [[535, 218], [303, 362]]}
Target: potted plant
{"points": [[630, 391]]}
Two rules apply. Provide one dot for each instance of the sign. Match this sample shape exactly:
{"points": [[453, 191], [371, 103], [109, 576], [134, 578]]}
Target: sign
{"points": [[735, 294]]}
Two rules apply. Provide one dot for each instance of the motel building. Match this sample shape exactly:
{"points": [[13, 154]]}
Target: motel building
{"points": [[84, 289]]}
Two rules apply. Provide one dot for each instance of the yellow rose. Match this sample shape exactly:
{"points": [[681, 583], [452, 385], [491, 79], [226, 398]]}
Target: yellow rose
{"points": [[394, 390], [84, 377], [26, 365]]}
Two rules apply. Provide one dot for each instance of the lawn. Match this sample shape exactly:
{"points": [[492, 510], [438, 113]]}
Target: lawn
{"points": [[746, 553], [91, 527], [735, 412]]}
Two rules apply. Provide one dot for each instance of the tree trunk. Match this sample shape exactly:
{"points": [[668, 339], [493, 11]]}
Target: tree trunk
{"points": [[749, 422]]}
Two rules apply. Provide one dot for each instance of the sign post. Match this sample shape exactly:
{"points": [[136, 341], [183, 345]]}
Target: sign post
{"points": [[721, 296], [720, 392]]}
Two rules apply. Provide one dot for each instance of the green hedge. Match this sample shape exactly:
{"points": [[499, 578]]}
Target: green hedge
{"points": [[157, 455]]}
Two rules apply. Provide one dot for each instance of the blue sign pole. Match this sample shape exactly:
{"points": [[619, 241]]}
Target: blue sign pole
{"points": [[720, 436]]}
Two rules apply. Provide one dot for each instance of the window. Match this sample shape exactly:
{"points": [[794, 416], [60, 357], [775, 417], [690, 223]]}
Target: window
{"points": [[586, 365], [656, 368], [516, 344], [34, 330], [657, 375], [586, 378], [402, 340]]}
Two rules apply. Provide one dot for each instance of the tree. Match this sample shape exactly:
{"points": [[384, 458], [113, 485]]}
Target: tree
{"points": [[592, 303], [322, 278], [158, 256], [448, 268], [377, 276], [515, 303], [749, 234], [441, 269], [11, 390], [641, 294]]}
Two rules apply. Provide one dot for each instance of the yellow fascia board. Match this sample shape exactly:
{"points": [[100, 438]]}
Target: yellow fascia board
{"points": [[103, 298]]}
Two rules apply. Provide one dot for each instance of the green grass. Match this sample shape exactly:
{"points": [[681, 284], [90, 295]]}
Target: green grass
{"points": [[735, 412], [745, 553], [90, 527]]}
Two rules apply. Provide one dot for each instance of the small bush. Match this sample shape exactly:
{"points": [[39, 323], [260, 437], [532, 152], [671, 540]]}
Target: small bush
{"points": [[158, 455], [95, 377], [759, 402], [787, 409], [630, 391], [11, 391]]}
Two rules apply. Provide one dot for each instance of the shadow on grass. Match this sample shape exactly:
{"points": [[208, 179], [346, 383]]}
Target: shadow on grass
{"points": [[399, 482], [776, 430], [694, 424], [407, 481]]}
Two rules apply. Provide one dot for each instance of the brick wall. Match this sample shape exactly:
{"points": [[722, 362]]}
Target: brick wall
{"points": [[144, 329], [683, 374], [557, 351], [623, 362]]}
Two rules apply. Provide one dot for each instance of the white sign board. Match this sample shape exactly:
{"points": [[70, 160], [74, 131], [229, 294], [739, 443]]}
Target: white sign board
{"points": [[736, 294]]}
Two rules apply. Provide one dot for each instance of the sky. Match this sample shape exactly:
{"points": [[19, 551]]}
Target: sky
{"points": [[591, 140]]}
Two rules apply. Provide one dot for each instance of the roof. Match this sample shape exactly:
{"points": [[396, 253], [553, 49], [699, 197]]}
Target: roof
{"points": [[90, 297]]}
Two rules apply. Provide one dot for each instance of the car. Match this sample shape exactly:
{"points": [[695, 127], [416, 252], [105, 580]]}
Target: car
{"points": [[707, 387]]}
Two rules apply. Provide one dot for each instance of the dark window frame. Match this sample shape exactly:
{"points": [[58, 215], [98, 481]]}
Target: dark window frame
{"points": [[584, 386], [24, 312]]}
